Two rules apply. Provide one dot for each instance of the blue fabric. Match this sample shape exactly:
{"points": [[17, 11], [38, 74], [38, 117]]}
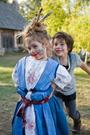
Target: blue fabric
{"points": [[50, 119], [17, 124], [21, 76]]}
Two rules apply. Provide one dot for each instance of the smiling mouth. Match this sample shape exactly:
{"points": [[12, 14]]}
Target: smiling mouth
{"points": [[35, 54], [58, 50]]}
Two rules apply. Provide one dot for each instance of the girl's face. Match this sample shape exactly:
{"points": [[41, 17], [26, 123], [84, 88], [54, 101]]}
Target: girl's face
{"points": [[60, 47], [37, 50]]}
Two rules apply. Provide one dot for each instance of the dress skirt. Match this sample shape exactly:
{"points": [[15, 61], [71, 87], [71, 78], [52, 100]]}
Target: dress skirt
{"points": [[49, 117]]}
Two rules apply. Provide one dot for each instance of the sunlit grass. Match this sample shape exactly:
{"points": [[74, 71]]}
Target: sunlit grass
{"points": [[5, 76]]}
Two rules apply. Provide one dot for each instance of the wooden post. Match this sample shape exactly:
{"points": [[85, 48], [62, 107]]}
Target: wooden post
{"points": [[15, 39]]}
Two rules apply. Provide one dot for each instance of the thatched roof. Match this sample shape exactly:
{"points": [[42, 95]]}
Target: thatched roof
{"points": [[10, 18]]}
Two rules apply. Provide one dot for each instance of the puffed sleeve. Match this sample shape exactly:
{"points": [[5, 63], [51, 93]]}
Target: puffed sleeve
{"points": [[63, 78], [15, 76]]}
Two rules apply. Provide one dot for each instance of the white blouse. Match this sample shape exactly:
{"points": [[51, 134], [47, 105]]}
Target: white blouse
{"points": [[34, 69]]}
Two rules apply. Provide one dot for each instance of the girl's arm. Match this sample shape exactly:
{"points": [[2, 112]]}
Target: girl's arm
{"points": [[85, 67]]}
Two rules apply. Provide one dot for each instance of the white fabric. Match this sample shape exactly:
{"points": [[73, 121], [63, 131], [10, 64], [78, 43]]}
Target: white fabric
{"points": [[28, 95], [34, 69], [30, 121], [62, 77]]}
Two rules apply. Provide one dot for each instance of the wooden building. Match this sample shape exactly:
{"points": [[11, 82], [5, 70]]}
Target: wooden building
{"points": [[11, 22]]}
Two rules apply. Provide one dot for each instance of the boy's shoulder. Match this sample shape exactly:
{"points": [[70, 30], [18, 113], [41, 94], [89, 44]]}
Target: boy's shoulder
{"points": [[73, 55], [75, 59]]}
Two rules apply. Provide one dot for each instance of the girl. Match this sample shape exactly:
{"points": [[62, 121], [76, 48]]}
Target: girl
{"points": [[38, 112], [62, 48]]}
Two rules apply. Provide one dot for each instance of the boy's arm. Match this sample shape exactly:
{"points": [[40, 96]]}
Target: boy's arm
{"points": [[85, 67]]}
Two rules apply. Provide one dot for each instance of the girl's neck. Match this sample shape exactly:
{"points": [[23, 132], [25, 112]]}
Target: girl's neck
{"points": [[44, 57], [64, 60]]}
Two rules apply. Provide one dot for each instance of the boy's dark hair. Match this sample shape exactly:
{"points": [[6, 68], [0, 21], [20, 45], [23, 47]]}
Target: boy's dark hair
{"points": [[68, 39]]}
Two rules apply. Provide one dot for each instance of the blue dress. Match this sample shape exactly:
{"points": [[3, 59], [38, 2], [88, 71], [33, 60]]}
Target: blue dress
{"points": [[50, 118]]}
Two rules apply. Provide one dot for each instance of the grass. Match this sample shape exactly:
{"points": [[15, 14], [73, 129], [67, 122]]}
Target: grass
{"points": [[8, 96], [83, 99]]}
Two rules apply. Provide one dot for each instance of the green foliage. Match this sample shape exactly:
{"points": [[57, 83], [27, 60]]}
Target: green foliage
{"points": [[55, 21], [79, 28], [29, 8], [72, 18]]}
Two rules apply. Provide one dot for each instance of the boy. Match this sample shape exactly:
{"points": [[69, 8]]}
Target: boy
{"points": [[62, 53]]}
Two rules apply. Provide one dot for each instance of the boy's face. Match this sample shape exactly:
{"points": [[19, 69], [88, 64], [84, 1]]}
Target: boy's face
{"points": [[36, 49], [60, 47]]}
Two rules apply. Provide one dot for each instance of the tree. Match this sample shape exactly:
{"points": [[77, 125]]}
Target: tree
{"points": [[29, 8], [78, 25], [55, 21], [79, 28], [68, 17]]}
